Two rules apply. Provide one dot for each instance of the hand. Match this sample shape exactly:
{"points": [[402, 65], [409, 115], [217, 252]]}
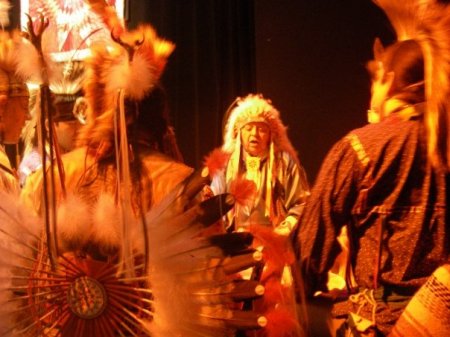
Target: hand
{"points": [[286, 226]]}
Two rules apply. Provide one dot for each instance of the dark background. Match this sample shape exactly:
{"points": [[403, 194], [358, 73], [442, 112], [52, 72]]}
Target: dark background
{"points": [[307, 56]]}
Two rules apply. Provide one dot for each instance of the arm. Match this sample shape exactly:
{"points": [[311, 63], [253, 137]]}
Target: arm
{"points": [[295, 194]]}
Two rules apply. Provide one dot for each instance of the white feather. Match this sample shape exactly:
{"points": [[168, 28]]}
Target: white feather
{"points": [[74, 225], [117, 75], [106, 223], [29, 65], [141, 78], [136, 77]]}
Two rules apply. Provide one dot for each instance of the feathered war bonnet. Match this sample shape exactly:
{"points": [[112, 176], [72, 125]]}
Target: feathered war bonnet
{"points": [[427, 22], [255, 108]]}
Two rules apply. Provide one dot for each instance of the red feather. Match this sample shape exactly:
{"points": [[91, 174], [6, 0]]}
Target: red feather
{"points": [[281, 322], [274, 292], [277, 251], [243, 191], [216, 160]]}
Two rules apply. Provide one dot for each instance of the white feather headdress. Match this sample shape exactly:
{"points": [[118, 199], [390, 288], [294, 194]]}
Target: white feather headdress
{"points": [[255, 108]]}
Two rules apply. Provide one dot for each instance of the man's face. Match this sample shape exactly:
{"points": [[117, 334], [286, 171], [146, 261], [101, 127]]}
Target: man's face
{"points": [[255, 137], [66, 133], [14, 117]]}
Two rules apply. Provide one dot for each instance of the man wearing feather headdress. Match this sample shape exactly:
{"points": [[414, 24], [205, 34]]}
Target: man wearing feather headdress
{"points": [[388, 182], [260, 151]]}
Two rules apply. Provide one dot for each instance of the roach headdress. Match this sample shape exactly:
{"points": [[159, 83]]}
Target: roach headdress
{"points": [[133, 65], [428, 23]]}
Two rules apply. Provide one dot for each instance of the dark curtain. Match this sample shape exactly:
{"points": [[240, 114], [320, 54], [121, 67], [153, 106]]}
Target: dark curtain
{"points": [[213, 63]]}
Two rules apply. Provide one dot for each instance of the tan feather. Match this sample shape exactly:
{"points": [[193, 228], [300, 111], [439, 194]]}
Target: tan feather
{"points": [[74, 223]]}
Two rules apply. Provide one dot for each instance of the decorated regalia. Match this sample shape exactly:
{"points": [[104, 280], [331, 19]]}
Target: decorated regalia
{"points": [[281, 183], [280, 193], [388, 182]]}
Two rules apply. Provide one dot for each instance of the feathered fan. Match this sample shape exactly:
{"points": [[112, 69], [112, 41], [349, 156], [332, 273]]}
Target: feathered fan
{"points": [[188, 287]]}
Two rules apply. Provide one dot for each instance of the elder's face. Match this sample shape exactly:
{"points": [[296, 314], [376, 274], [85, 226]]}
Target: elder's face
{"points": [[255, 137]]}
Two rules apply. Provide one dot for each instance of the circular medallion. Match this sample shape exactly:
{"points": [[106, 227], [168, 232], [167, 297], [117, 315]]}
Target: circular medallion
{"points": [[86, 297]]}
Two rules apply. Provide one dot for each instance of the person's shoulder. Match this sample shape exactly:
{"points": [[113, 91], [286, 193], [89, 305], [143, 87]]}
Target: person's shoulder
{"points": [[76, 160], [393, 126], [391, 134]]}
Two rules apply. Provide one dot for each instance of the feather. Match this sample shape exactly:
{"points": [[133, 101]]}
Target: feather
{"points": [[216, 161], [134, 65], [190, 285], [243, 190], [405, 16], [277, 251], [274, 293], [19, 234], [108, 14], [74, 223], [428, 23], [281, 323], [189, 268], [106, 224], [141, 79], [29, 64]]}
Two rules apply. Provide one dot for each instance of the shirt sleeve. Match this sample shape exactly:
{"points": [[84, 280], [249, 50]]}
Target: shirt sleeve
{"points": [[327, 211], [296, 189]]}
